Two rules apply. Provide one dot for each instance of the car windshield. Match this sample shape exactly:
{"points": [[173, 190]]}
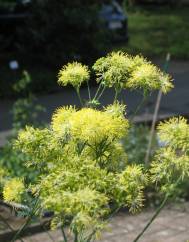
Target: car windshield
{"points": [[114, 7]]}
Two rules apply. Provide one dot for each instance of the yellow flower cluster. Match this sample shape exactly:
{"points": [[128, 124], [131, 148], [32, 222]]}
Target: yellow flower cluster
{"points": [[13, 190], [89, 124], [171, 164], [175, 133], [3, 176], [81, 158], [120, 70], [149, 77], [74, 74], [116, 109], [132, 182], [113, 69]]}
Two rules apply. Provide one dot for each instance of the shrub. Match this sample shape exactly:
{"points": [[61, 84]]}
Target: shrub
{"points": [[24, 111], [84, 174], [73, 26]]}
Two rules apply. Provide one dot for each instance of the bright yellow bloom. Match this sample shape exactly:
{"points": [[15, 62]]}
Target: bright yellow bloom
{"points": [[113, 69], [175, 133], [122, 71], [132, 182], [13, 190], [89, 124], [74, 74], [60, 119], [149, 78], [116, 109]]}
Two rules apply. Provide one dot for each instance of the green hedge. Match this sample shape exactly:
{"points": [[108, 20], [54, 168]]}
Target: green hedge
{"points": [[63, 30]]}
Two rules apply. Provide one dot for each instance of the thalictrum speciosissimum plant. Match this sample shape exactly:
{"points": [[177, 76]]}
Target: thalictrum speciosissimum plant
{"points": [[170, 167], [84, 176]]}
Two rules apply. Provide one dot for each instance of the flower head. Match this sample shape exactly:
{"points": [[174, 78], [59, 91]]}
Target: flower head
{"points": [[171, 163], [148, 77], [13, 190], [90, 125], [116, 109], [74, 74], [131, 184], [113, 69], [122, 71], [175, 133]]}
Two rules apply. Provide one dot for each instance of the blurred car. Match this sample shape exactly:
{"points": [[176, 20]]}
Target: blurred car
{"points": [[156, 2], [116, 21]]}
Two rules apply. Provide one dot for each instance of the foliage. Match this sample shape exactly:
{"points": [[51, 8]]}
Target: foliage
{"points": [[73, 73], [14, 163], [24, 111], [3, 177], [84, 176], [123, 71], [13, 190], [74, 27], [79, 187], [136, 143], [171, 164], [165, 28]]}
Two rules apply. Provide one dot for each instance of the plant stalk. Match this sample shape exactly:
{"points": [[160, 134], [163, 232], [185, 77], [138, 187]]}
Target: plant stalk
{"points": [[79, 96], [76, 236], [100, 95], [139, 107], [117, 91], [96, 94], [89, 92], [26, 223], [158, 101], [153, 218], [64, 234]]}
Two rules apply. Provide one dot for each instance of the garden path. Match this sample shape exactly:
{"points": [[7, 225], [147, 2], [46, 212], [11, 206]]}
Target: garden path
{"points": [[172, 225]]}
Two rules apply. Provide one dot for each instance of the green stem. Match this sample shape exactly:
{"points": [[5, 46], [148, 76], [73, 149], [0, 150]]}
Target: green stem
{"points": [[64, 234], [139, 107], [101, 93], [89, 92], [76, 236], [116, 94], [115, 210], [153, 218], [155, 115], [26, 223], [79, 96], [21, 229], [99, 87]]}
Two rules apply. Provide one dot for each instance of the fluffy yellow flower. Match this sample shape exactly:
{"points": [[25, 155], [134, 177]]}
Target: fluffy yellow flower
{"points": [[60, 119], [113, 69], [90, 125], [175, 133], [132, 182], [74, 74], [116, 109], [122, 71], [13, 190], [149, 78]]}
